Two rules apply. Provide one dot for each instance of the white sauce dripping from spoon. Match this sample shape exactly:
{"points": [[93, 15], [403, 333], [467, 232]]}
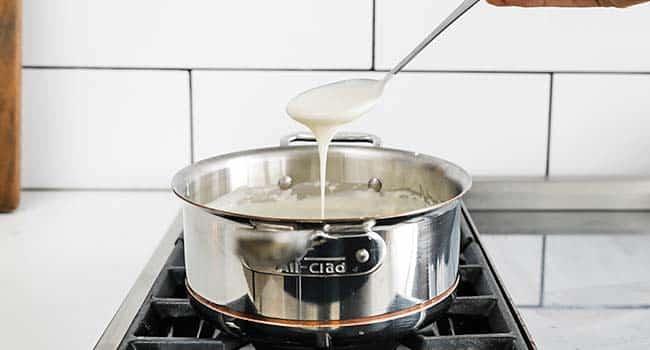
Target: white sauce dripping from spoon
{"points": [[325, 108]]}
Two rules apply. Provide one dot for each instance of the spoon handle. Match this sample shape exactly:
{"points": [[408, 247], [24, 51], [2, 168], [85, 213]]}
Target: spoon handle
{"points": [[459, 11]]}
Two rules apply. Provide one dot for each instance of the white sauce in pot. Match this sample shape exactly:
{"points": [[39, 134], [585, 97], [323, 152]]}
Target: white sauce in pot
{"points": [[302, 201], [325, 108]]}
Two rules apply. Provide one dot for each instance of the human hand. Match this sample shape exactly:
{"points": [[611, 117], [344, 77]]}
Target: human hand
{"points": [[566, 3]]}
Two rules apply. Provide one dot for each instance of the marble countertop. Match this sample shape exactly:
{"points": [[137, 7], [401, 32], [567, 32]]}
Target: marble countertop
{"points": [[68, 259], [578, 291]]}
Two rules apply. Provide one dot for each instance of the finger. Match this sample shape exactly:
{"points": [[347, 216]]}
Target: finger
{"points": [[519, 3], [551, 3], [624, 3]]}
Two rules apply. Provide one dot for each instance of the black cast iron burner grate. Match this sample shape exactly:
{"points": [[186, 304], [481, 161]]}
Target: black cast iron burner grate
{"points": [[481, 317]]}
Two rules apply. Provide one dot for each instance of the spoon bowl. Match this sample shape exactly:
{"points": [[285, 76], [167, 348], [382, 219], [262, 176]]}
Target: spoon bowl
{"points": [[336, 103]]}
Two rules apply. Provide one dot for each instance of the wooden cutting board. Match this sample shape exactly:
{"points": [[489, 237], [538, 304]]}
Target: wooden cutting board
{"points": [[10, 25]]}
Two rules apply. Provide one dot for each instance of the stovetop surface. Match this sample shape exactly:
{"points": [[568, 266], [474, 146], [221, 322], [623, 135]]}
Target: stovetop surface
{"points": [[481, 317]]}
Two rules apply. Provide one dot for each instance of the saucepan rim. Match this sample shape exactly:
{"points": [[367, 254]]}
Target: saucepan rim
{"points": [[464, 181]]}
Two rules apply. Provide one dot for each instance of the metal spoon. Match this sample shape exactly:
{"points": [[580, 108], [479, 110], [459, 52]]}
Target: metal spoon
{"points": [[354, 97], [459, 11]]}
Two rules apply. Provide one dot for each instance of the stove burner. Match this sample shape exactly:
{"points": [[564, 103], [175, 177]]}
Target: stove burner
{"points": [[481, 316]]}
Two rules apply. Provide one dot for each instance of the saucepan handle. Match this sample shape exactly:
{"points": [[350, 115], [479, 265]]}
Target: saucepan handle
{"points": [[341, 137], [336, 251], [263, 246]]}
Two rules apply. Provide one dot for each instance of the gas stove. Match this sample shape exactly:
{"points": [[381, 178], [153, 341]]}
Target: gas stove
{"points": [[157, 313]]}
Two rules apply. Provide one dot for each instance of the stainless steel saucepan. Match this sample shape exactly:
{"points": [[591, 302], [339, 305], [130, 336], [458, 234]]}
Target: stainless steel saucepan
{"points": [[322, 282]]}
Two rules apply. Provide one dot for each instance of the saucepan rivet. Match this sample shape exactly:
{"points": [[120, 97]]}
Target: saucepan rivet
{"points": [[374, 184], [285, 182], [362, 255]]}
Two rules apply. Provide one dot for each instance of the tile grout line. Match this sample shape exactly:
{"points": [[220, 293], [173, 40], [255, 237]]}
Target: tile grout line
{"points": [[374, 35], [246, 69], [191, 118], [177, 69], [548, 127], [542, 272]]}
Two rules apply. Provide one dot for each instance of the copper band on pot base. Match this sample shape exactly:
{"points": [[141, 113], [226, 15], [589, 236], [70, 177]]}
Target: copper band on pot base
{"points": [[323, 324]]}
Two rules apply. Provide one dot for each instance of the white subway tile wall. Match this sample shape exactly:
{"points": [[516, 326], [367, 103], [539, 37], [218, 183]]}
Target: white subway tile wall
{"points": [[515, 39], [195, 33], [107, 88], [104, 128], [502, 117], [600, 125]]}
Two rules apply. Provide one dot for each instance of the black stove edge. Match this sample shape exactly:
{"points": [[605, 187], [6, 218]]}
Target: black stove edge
{"points": [[119, 325], [530, 342]]}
